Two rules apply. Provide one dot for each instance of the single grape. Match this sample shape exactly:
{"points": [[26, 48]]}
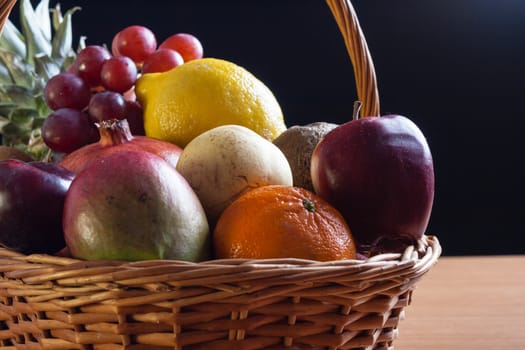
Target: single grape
{"points": [[107, 105], [114, 45], [67, 90], [89, 63], [118, 74], [189, 47], [162, 60], [135, 117], [66, 130], [136, 42]]}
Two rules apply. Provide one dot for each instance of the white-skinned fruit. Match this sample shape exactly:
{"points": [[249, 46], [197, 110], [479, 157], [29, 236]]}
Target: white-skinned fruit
{"points": [[224, 162]]}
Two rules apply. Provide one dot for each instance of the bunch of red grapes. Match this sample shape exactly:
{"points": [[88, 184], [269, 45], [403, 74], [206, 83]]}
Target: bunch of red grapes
{"points": [[99, 85]]}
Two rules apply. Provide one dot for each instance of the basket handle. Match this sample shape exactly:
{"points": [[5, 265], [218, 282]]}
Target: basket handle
{"points": [[5, 9], [364, 71]]}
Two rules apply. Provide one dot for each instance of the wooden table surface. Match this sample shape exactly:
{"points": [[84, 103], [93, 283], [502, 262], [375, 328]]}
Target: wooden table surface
{"points": [[467, 303]]}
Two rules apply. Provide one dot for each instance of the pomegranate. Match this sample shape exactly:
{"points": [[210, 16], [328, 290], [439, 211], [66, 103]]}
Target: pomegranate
{"points": [[133, 205], [115, 136]]}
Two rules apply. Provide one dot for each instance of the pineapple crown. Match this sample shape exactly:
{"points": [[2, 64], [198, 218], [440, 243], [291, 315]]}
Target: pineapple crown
{"points": [[29, 57]]}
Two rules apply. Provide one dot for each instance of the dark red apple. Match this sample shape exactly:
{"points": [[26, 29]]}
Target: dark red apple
{"points": [[31, 203], [378, 172]]}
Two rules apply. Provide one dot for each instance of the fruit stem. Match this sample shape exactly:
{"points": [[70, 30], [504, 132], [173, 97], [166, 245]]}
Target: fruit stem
{"points": [[309, 205], [357, 109], [114, 132]]}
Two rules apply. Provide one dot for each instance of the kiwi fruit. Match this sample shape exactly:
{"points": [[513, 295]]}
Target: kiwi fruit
{"points": [[298, 143]]}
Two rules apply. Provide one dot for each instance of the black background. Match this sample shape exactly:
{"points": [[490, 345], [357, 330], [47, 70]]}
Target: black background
{"points": [[455, 67]]}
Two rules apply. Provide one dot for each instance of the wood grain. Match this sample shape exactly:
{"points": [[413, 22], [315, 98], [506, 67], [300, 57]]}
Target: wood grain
{"points": [[467, 303]]}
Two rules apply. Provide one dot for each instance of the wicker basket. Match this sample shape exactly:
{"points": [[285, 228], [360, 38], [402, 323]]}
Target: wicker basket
{"points": [[5, 9], [49, 302]]}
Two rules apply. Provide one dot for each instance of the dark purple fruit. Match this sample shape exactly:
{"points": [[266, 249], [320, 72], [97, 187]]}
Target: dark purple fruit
{"points": [[378, 172], [31, 203]]}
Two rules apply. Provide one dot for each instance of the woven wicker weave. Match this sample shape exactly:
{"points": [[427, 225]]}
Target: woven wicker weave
{"points": [[5, 9], [49, 302], [60, 303]]}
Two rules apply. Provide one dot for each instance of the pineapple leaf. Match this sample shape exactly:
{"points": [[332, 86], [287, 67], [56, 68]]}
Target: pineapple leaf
{"points": [[12, 40], [5, 77], [36, 42], [57, 16], [3, 121], [63, 40], [6, 100], [46, 67], [42, 108], [81, 43], [5, 107], [29, 56], [68, 61], [38, 149], [18, 70], [42, 13], [21, 96], [14, 134], [23, 118], [18, 126]]}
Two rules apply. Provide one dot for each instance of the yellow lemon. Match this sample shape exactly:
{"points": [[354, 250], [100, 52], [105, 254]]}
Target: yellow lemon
{"points": [[202, 94]]}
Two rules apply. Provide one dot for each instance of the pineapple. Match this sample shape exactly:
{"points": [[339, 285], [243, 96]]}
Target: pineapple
{"points": [[28, 59]]}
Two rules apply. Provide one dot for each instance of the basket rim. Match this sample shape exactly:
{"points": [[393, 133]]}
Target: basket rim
{"points": [[16, 265], [45, 278]]}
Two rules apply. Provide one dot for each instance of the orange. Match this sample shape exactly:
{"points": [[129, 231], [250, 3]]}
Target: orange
{"points": [[282, 222]]}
